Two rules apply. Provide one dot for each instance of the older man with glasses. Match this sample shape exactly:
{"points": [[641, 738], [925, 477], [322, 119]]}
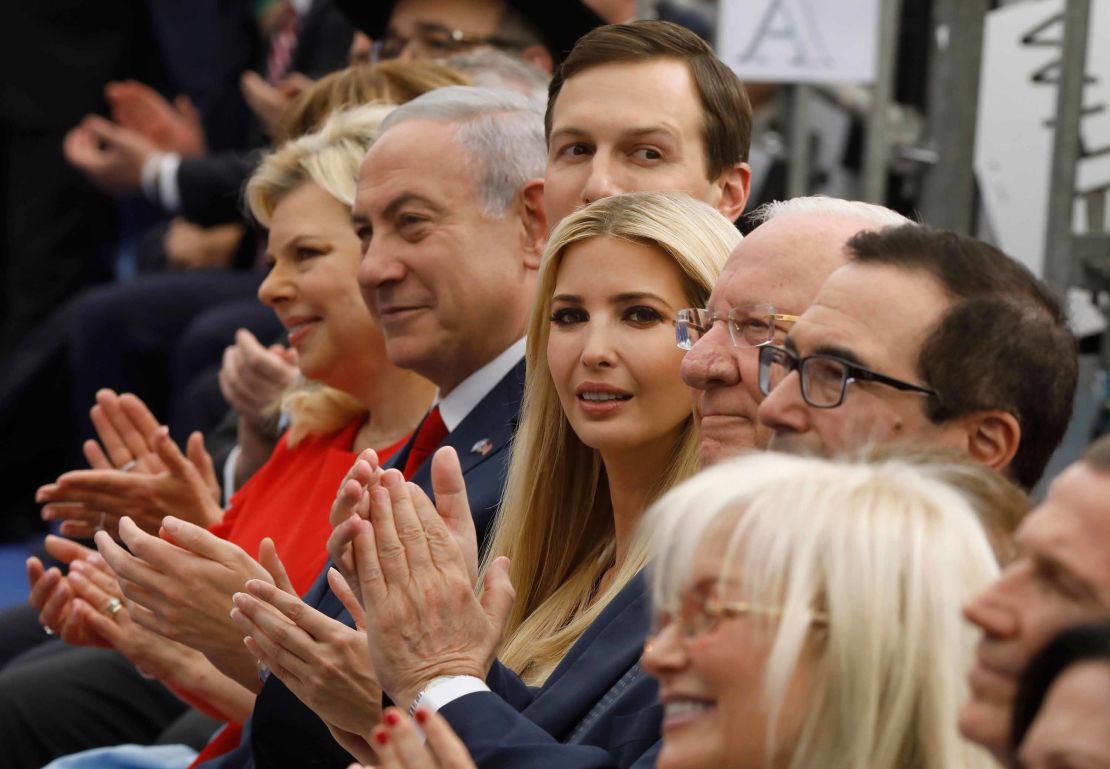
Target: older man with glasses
{"points": [[770, 280], [926, 337]]}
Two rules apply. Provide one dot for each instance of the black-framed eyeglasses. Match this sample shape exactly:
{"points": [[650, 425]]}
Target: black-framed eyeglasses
{"points": [[823, 378], [749, 325], [434, 41]]}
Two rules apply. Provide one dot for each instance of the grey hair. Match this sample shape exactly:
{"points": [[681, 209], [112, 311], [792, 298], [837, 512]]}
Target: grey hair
{"points": [[501, 131], [880, 216], [493, 68]]}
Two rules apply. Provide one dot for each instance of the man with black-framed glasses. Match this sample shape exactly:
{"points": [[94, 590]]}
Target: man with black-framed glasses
{"points": [[931, 337], [769, 280]]}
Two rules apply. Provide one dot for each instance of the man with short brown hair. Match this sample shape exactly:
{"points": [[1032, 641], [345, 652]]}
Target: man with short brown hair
{"points": [[642, 107], [926, 336]]}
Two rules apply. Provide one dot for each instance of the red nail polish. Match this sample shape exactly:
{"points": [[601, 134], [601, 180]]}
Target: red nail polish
{"points": [[421, 716], [391, 718], [381, 736]]}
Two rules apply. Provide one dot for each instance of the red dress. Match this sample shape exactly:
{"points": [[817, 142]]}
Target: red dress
{"points": [[289, 500]]}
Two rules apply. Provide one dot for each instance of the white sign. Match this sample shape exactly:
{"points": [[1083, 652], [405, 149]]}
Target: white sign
{"points": [[1022, 52], [800, 41]]}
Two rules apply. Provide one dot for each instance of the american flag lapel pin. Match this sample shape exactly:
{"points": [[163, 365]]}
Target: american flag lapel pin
{"points": [[482, 447]]}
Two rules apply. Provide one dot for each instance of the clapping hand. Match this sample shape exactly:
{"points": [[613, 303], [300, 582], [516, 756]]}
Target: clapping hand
{"points": [[398, 743], [181, 584], [96, 499], [321, 660], [423, 619]]}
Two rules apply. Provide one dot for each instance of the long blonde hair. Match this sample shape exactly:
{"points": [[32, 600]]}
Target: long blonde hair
{"points": [[869, 564], [555, 523]]}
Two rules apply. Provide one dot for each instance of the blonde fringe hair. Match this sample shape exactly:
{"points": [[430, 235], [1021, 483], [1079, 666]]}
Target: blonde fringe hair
{"points": [[887, 552], [555, 523], [329, 158]]}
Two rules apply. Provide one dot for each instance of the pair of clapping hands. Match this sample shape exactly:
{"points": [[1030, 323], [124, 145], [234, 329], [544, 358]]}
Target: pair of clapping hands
{"points": [[406, 571], [416, 564], [413, 565], [136, 471]]}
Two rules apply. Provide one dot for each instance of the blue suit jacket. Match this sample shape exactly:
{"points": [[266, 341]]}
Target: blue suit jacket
{"points": [[597, 709], [283, 732]]}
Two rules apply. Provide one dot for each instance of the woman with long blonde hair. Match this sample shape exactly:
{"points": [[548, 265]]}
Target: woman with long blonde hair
{"points": [[605, 428], [606, 425]]}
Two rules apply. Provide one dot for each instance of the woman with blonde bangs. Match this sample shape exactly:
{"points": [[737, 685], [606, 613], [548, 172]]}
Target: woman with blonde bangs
{"points": [[606, 425], [303, 194], [808, 615]]}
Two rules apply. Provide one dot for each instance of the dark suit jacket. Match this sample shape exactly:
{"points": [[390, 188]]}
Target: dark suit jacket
{"points": [[283, 732], [211, 185], [597, 709]]}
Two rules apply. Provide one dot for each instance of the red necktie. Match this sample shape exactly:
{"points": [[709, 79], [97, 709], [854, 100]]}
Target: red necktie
{"points": [[429, 435]]}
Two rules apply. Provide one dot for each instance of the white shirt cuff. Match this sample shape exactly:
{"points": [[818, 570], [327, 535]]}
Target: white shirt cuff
{"points": [[445, 692], [169, 194], [148, 178]]}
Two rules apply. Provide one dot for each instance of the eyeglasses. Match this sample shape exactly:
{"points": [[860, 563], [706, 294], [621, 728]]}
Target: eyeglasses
{"points": [[700, 615], [434, 41], [823, 378], [749, 325]]}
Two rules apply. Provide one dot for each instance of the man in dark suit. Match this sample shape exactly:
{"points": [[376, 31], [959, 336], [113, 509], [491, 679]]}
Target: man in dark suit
{"points": [[450, 210]]}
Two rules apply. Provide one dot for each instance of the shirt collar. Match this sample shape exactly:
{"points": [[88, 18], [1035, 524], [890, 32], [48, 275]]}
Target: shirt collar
{"points": [[454, 407]]}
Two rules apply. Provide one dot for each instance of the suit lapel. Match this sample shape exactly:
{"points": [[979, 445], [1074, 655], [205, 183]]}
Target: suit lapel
{"points": [[595, 663], [486, 430]]}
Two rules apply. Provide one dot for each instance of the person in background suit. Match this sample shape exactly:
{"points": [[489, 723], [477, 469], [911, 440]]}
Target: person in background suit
{"points": [[607, 422], [450, 212], [807, 615]]}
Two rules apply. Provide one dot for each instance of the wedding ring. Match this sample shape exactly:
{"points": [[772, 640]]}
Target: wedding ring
{"points": [[47, 630], [113, 606], [127, 467]]}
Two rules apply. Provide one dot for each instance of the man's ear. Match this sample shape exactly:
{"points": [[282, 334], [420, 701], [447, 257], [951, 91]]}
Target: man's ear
{"points": [[533, 219], [538, 56], [734, 183], [992, 437]]}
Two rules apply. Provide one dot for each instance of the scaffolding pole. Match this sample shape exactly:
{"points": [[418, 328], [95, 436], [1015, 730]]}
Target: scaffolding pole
{"points": [[1061, 269], [800, 162], [876, 153], [948, 191]]}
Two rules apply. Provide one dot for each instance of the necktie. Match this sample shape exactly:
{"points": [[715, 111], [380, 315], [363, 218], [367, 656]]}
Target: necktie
{"points": [[283, 42], [429, 435]]}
